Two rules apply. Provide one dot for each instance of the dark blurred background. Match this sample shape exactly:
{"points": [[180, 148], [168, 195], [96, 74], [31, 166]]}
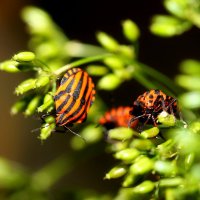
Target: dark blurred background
{"points": [[80, 20]]}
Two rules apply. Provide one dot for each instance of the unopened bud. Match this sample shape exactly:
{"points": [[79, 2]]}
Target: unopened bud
{"points": [[114, 62], [32, 106], [142, 144], [142, 165], [107, 41], [171, 182], [9, 66], [152, 132], [48, 102], [129, 180], [109, 82], [165, 167], [120, 133], [25, 56], [25, 86], [42, 81], [166, 119], [46, 130], [19, 106], [49, 119], [127, 155], [144, 187], [130, 30], [97, 70], [116, 172]]}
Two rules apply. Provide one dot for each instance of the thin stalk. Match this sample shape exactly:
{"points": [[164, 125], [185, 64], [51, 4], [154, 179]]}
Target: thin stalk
{"points": [[78, 49], [81, 62], [160, 77], [143, 81]]}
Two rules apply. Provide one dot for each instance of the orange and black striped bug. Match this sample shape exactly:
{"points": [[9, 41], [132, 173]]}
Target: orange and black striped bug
{"points": [[149, 105], [117, 117], [74, 97]]}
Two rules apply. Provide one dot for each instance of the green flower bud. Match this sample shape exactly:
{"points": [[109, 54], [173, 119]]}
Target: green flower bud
{"points": [[171, 182], [91, 134], [130, 30], [120, 133], [127, 155], [107, 41], [165, 145], [166, 119], [190, 100], [42, 81], [49, 119], [152, 132], [109, 82], [190, 67], [165, 167], [144, 187], [40, 26], [114, 62], [25, 86], [118, 146], [123, 74], [32, 106], [19, 106], [189, 82], [97, 70], [9, 66], [141, 144], [177, 7], [195, 127], [129, 180], [46, 130], [48, 102], [165, 148], [116, 172], [25, 56], [77, 143], [127, 51], [141, 165], [167, 26]]}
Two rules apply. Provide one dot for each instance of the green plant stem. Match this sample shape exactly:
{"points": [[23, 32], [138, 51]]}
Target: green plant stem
{"points": [[81, 62], [143, 81], [161, 78]]}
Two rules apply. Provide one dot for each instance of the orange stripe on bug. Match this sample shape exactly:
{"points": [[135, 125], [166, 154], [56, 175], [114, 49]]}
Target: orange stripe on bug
{"points": [[74, 97], [117, 117]]}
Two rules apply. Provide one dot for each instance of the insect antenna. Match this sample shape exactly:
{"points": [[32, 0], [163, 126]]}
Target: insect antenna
{"points": [[75, 133]]}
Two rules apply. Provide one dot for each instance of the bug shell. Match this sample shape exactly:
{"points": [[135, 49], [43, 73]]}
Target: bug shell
{"points": [[117, 117], [149, 105], [74, 97]]}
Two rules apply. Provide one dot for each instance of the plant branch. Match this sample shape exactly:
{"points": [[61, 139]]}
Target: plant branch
{"points": [[81, 62]]}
